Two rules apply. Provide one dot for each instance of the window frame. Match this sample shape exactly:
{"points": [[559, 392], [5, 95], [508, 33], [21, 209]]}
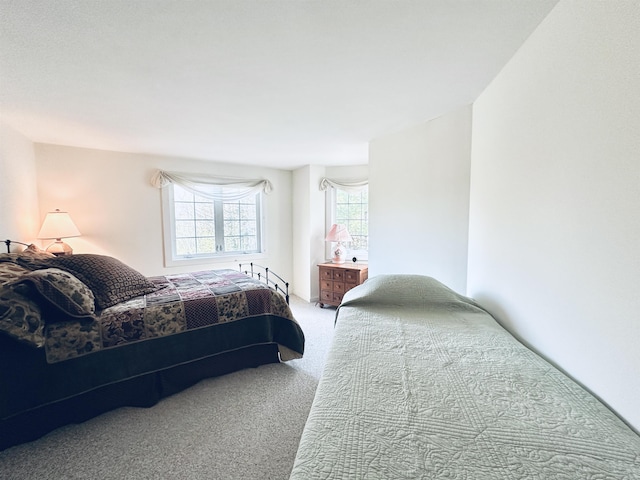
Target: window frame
{"points": [[330, 219], [171, 259]]}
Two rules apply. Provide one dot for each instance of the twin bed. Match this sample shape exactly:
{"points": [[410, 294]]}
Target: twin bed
{"points": [[83, 334], [422, 383]]}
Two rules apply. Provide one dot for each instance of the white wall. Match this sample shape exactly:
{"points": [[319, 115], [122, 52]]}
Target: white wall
{"points": [[110, 199], [308, 219], [19, 218], [419, 200], [554, 247], [309, 223]]}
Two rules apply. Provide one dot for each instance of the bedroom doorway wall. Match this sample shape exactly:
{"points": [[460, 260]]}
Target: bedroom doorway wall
{"points": [[419, 200]]}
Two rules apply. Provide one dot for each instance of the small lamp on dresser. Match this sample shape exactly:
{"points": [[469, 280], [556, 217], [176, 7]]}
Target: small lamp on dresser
{"points": [[58, 225], [340, 235]]}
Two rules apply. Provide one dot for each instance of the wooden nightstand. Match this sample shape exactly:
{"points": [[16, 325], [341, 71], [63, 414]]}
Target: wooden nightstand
{"points": [[338, 278]]}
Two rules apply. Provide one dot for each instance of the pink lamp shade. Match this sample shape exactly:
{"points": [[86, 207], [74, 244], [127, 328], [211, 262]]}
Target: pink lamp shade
{"points": [[340, 235], [58, 225]]}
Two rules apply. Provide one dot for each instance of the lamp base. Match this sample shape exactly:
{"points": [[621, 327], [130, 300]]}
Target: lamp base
{"points": [[59, 248], [339, 253]]}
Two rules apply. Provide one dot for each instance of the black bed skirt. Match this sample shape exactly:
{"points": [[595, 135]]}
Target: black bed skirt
{"points": [[142, 391]]}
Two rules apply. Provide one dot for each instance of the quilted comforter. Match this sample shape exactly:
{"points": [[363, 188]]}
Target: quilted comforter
{"points": [[181, 302], [422, 383], [201, 324]]}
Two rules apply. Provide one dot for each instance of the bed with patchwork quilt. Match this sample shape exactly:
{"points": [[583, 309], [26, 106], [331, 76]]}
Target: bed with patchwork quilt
{"points": [[83, 334], [423, 383]]}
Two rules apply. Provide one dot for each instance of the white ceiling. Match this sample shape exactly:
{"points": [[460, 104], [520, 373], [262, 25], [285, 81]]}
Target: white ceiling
{"points": [[282, 83]]}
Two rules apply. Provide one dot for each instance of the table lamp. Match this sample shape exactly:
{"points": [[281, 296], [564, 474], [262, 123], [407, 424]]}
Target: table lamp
{"points": [[58, 225], [340, 235]]}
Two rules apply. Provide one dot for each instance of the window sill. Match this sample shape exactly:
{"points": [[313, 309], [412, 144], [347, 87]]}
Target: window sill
{"points": [[217, 261]]}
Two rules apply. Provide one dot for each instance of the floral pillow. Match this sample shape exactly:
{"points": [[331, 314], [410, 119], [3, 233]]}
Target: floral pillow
{"points": [[59, 293], [10, 271], [8, 257], [20, 317], [36, 251], [32, 255], [110, 280]]}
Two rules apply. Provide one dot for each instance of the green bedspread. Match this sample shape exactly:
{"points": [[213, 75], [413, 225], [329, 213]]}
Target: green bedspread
{"points": [[421, 383]]}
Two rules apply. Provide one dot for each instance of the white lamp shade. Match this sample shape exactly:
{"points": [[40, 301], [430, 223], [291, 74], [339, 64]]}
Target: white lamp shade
{"points": [[58, 225]]}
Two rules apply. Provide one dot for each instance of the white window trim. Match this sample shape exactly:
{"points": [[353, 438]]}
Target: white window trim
{"points": [[169, 240]]}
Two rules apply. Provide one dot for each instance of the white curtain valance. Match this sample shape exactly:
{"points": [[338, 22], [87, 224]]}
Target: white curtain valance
{"points": [[199, 184], [348, 185]]}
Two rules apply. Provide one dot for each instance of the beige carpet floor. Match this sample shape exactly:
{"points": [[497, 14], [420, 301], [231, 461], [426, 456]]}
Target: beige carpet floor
{"points": [[245, 425]]}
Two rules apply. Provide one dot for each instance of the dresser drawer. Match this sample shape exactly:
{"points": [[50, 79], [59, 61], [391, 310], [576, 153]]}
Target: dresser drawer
{"points": [[326, 285], [338, 287], [326, 296], [326, 274], [351, 276]]}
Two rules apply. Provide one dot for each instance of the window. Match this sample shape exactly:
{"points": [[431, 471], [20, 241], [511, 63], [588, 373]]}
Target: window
{"points": [[202, 227], [351, 209]]}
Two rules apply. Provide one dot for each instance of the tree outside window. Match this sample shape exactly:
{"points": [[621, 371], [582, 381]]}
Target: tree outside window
{"points": [[205, 227], [352, 210]]}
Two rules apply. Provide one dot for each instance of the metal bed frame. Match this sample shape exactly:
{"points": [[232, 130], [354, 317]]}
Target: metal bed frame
{"points": [[270, 283], [9, 242]]}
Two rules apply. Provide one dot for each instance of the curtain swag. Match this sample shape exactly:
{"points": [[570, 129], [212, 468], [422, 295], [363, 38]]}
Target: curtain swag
{"points": [[199, 184], [348, 185]]}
